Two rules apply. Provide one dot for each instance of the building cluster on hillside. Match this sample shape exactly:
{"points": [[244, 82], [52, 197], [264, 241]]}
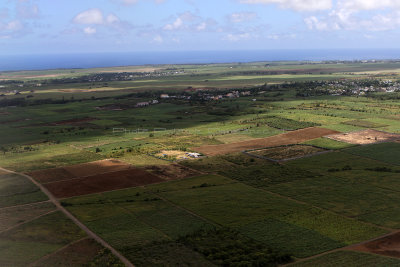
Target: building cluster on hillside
{"points": [[360, 88]]}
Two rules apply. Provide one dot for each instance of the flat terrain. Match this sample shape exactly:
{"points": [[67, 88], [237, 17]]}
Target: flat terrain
{"points": [[317, 185], [287, 152], [365, 137], [101, 183], [293, 137], [387, 246]]}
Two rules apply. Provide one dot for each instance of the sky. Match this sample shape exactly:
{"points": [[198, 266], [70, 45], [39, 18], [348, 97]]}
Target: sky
{"points": [[82, 26]]}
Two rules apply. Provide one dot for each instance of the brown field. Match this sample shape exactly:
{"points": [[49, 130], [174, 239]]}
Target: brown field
{"points": [[73, 121], [79, 253], [364, 137], [289, 138], [388, 246], [102, 182], [172, 171], [79, 170], [287, 152], [97, 167]]}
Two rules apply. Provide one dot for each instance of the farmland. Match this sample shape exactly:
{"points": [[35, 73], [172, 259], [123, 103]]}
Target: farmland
{"points": [[258, 164]]}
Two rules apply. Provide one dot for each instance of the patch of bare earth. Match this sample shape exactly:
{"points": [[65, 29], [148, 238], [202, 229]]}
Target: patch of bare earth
{"points": [[388, 246], [172, 171], [293, 137], [78, 170], [364, 137], [103, 182]]}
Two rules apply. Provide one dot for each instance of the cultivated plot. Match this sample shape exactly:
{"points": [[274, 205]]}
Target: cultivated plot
{"points": [[365, 137], [292, 137]]}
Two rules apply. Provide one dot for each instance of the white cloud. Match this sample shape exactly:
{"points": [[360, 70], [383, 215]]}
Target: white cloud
{"points": [[90, 16], [177, 24], [132, 2], [111, 18], [89, 30], [158, 39], [298, 5], [367, 15], [25, 10], [237, 37], [241, 17], [368, 4], [13, 26]]}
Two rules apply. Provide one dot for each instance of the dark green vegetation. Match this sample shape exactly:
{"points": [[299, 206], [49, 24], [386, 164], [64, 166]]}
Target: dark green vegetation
{"points": [[33, 240], [244, 211], [349, 259], [386, 152], [16, 190]]}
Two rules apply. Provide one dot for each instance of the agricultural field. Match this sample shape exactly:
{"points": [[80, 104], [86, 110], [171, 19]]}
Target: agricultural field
{"points": [[287, 152], [258, 164]]}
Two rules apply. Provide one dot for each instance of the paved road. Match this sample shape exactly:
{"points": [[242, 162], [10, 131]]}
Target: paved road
{"points": [[74, 219]]}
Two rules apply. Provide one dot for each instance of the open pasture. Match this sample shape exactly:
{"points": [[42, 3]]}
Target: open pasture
{"points": [[292, 137]]}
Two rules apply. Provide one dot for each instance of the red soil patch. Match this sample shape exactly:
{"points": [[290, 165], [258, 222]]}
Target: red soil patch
{"points": [[388, 246], [289, 138], [97, 167], [69, 122], [102, 182], [363, 137], [79, 170], [172, 171], [76, 254]]}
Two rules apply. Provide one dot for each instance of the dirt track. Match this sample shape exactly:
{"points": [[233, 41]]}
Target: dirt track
{"points": [[288, 138], [75, 220]]}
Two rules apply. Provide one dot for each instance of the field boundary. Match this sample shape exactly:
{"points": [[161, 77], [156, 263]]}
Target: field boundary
{"points": [[74, 219], [246, 152]]}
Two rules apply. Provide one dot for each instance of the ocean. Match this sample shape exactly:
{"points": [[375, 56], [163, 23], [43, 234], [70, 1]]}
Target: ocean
{"points": [[93, 60]]}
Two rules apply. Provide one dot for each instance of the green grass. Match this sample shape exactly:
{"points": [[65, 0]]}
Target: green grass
{"points": [[328, 143], [385, 152], [55, 161], [364, 124], [349, 259], [16, 190]]}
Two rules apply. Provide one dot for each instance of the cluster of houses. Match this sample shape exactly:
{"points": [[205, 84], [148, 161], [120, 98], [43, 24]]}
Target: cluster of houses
{"points": [[354, 88]]}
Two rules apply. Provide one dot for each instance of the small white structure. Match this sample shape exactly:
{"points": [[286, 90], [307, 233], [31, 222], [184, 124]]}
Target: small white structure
{"points": [[164, 96], [193, 155]]}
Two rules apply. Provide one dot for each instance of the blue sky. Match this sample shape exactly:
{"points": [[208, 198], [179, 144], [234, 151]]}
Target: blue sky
{"points": [[55, 26]]}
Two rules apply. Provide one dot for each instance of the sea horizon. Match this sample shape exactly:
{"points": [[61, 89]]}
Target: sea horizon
{"points": [[118, 59]]}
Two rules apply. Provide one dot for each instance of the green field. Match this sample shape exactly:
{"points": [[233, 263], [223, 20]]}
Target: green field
{"points": [[385, 152], [349, 259], [243, 209]]}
